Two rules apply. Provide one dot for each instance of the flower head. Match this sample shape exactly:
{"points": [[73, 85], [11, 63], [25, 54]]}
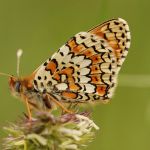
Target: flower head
{"points": [[45, 131]]}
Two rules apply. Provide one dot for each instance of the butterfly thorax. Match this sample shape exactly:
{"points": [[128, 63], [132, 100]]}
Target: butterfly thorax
{"points": [[23, 88]]}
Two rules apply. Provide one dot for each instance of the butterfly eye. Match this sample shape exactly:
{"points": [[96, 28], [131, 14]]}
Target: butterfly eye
{"points": [[18, 86]]}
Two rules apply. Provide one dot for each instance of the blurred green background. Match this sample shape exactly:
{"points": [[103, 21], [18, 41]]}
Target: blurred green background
{"points": [[41, 27]]}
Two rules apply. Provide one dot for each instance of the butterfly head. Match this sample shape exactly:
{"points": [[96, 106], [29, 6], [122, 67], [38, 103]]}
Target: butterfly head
{"points": [[20, 86], [16, 86]]}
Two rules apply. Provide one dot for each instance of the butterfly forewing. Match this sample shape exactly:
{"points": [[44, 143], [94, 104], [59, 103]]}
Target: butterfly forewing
{"points": [[87, 66]]}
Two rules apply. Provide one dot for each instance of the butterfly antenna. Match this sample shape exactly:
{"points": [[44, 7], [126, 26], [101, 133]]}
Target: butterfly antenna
{"points": [[5, 74], [19, 54]]}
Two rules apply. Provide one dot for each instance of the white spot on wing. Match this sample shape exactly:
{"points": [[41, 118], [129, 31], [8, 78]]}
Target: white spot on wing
{"points": [[111, 36], [80, 40], [84, 71], [63, 78], [62, 86], [89, 88], [77, 59], [67, 59], [84, 79], [64, 49], [85, 63]]}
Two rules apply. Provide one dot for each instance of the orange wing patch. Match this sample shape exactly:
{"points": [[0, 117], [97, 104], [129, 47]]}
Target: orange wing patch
{"points": [[75, 48], [95, 69], [88, 52], [101, 90], [96, 59], [69, 95], [74, 87], [96, 79], [68, 71], [57, 76], [72, 43], [51, 66]]}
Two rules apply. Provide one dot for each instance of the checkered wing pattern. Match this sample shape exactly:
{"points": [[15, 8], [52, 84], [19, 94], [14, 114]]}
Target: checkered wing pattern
{"points": [[87, 66]]}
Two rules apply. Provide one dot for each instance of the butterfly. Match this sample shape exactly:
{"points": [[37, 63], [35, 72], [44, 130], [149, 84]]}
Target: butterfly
{"points": [[83, 70]]}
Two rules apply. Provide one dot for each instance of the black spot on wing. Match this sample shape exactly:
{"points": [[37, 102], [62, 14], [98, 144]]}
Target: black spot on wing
{"points": [[39, 78]]}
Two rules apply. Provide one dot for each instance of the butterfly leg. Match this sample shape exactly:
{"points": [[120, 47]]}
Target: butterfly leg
{"points": [[69, 107], [28, 109], [75, 108], [27, 106], [50, 97]]}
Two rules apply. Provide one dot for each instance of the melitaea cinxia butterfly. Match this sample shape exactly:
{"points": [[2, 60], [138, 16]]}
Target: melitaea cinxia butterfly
{"points": [[84, 69]]}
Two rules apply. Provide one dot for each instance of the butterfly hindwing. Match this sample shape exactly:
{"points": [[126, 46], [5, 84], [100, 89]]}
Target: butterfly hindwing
{"points": [[87, 66]]}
